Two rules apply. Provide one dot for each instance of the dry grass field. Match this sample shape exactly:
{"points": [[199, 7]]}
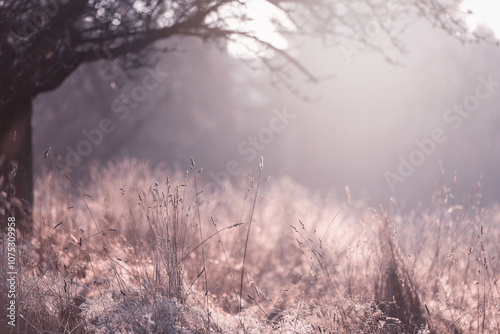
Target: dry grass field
{"points": [[137, 250]]}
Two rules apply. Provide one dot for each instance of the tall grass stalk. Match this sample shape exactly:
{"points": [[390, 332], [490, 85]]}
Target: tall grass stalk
{"points": [[250, 218]]}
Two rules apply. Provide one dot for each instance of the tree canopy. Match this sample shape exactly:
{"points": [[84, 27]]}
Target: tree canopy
{"points": [[43, 41]]}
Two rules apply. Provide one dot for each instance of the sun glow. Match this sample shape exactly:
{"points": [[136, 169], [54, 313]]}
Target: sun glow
{"points": [[256, 21], [485, 13]]}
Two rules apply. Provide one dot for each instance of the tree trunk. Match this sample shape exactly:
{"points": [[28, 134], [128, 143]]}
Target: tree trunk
{"points": [[16, 163]]}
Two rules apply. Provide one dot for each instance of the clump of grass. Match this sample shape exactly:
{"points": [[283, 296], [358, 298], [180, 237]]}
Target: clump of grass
{"points": [[395, 286]]}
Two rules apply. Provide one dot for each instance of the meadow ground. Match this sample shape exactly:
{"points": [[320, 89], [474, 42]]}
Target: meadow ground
{"points": [[137, 250]]}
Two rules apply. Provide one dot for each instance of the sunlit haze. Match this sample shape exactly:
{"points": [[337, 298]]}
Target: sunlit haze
{"points": [[484, 12], [263, 21]]}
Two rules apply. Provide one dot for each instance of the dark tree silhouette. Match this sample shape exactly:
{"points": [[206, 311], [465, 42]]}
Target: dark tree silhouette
{"points": [[43, 41]]}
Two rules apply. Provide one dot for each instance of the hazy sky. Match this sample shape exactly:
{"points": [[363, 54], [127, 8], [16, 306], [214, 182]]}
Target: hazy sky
{"points": [[372, 114]]}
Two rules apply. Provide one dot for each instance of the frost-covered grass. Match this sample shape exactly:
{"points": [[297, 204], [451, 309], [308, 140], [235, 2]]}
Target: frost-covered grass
{"points": [[146, 251]]}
